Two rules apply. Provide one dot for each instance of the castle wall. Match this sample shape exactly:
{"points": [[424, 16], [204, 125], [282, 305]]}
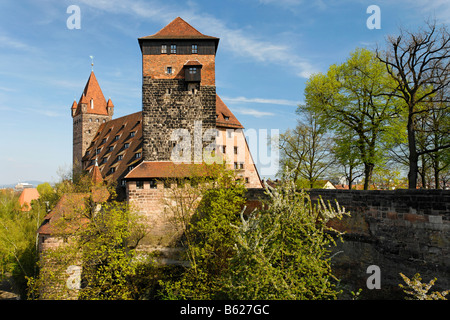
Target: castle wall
{"points": [[168, 106], [405, 231]]}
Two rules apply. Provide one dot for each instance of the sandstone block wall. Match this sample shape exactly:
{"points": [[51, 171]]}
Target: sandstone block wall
{"points": [[401, 231]]}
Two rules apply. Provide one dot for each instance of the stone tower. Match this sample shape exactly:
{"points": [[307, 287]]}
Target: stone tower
{"points": [[178, 88], [88, 115]]}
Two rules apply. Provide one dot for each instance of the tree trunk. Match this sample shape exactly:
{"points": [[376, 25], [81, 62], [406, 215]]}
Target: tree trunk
{"points": [[368, 169], [413, 156]]}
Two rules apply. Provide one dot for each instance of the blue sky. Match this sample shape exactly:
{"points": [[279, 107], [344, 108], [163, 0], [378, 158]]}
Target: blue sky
{"points": [[268, 48]]}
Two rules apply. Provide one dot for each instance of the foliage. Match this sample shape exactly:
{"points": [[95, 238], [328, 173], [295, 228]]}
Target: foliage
{"points": [[97, 238], [283, 251], [18, 252], [419, 291], [354, 99], [106, 256], [208, 237]]}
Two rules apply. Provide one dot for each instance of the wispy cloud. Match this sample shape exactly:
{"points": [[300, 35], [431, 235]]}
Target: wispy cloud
{"points": [[254, 113], [235, 40], [261, 100], [10, 43]]}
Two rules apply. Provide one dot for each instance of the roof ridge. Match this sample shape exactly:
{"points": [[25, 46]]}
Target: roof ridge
{"points": [[178, 28]]}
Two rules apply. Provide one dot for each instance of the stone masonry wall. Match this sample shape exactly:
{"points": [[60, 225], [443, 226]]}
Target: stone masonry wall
{"points": [[167, 106], [400, 231], [85, 127]]}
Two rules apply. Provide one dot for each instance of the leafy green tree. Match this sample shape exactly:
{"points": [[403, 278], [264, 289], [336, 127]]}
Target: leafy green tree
{"points": [[97, 247], [107, 245], [18, 241], [208, 237], [283, 252], [354, 99]]}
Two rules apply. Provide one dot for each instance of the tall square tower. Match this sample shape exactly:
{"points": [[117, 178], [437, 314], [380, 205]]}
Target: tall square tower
{"points": [[178, 87]]}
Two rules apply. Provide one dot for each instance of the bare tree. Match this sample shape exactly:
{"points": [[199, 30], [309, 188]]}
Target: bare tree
{"points": [[306, 150], [419, 63]]}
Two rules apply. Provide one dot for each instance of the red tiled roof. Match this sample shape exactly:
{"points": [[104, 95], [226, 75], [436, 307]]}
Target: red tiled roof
{"points": [[92, 91], [27, 195], [96, 175], [193, 63], [167, 169], [225, 118], [178, 29], [69, 205], [118, 157]]}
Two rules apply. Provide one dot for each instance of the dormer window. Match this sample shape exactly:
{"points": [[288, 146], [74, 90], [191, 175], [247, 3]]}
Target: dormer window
{"points": [[164, 48], [132, 134], [173, 48], [194, 48], [169, 70]]}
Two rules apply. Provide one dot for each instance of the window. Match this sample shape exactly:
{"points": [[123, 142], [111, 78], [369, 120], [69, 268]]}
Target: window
{"points": [[130, 168], [169, 70], [173, 48], [194, 48], [104, 140], [166, 184], [139, 184], [164, 48], [132, 134], [238, 165], [246, 179], [235, 150], [137, 155], [116, 137], [110, 148], [226, 118], [104, 160], [224, 149], [111, 170], [92, 103], [230, 133], [153, 184], [123, 182], [126, 145], [192, 70], [119, 157], [98, 150]]}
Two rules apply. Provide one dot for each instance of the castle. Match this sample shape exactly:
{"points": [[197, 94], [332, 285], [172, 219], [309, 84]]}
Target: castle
{"points": [[182, 117]]}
